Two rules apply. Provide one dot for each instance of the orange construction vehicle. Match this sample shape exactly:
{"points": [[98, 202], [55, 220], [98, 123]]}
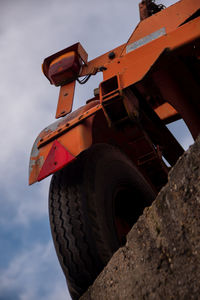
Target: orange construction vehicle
{"points": [[108, 158]]}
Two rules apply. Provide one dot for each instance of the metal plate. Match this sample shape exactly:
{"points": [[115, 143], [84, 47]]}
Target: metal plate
{"points": [[146, 40]]}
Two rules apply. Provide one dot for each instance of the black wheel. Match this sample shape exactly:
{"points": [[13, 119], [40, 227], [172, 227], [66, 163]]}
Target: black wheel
{"points": [[93, 203]]}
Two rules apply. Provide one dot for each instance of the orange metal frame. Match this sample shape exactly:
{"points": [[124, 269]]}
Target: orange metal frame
{"points": [[147, 82]]}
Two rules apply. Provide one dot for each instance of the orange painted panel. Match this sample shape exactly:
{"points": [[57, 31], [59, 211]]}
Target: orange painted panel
{"points": [[65, 100], [75, 141], [165, 111], [134, 66], [169, 18]]}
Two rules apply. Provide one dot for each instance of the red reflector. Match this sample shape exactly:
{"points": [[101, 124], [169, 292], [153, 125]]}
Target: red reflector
{"points": [[57, 158]]}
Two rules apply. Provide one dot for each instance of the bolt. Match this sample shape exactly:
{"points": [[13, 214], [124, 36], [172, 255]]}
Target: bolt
{"points": [[96, 92], [111, 55], [102, 68]]}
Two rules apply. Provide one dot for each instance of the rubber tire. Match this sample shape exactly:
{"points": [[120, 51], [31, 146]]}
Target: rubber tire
{"points": [[82, 211]]}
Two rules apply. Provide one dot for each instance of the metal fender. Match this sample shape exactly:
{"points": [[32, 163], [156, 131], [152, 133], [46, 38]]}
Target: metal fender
{"points": [[60, 143]]}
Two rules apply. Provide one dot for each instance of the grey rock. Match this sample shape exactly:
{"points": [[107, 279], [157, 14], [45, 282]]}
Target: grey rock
{"points": [[161, 259]]}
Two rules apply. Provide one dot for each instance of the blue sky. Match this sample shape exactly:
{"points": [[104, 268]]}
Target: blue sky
{"points": [[29, 32]]}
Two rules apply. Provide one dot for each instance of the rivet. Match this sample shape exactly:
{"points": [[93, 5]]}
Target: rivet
{"points": [[111, 55]]}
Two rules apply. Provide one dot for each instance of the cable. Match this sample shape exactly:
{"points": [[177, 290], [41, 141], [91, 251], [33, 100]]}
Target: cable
{"points": [[85, 79]]}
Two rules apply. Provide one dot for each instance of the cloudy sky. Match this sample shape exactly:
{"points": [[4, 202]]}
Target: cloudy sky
{"points": [[29, 32]]}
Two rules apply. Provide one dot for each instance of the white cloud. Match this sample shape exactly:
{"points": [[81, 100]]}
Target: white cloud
{"points": [[31, 272], [22, 206], [29, 32]]}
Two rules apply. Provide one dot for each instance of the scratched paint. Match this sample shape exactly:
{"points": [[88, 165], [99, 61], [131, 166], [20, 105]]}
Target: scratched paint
{"points": [[31, 165], [66, 122], [34, 161], [35, 151], [54, 126], [73, 119]]}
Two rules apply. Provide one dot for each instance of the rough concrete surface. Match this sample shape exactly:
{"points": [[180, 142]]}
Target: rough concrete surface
{"points": [[161, 259]]}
